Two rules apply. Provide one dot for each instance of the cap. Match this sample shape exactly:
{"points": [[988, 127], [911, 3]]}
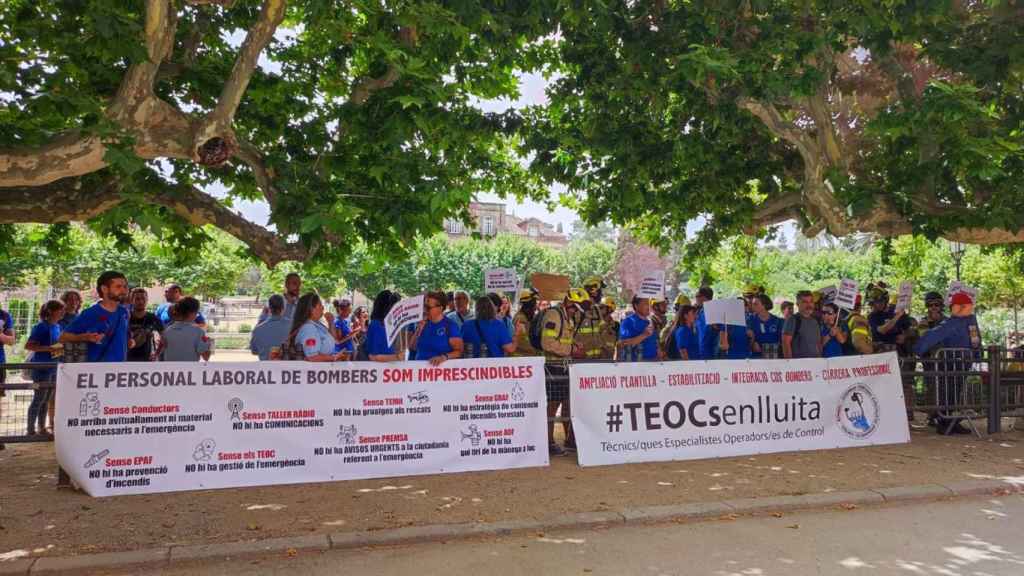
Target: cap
{"points": [[857, 302], [594, 282], [682, 300], [578, 295], [528, 295], [658, 300], [933, 297], [961, 299], [753, 289]]}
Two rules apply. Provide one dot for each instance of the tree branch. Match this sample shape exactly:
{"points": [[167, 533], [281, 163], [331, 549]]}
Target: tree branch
{"points": [[72, 200], [250, 155], [779, 126], [408, 36], [217, 123]]}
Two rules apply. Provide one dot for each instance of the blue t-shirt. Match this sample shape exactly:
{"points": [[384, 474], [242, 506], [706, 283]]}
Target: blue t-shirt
{"points": [[739, 344], [633, 326], [163, 312], [707, 336], [113, 326], [6, 324], [67, 320], [486, 345], [315, 339], [44, 334], [377, 339], [766, 332], [433, 340], [833, 348], [345, 327], [686, 339]]}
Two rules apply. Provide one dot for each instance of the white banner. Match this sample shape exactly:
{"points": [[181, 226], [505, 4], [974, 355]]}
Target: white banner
{"points": [[137, 428], [501, 280], [406, 311], [652, 285], [643, 412], [846, 298], [725, 311]]}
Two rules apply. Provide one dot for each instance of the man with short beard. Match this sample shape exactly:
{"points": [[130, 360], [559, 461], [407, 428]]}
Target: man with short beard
{"points": [[292, 287], [173, 294], [146, 329]]}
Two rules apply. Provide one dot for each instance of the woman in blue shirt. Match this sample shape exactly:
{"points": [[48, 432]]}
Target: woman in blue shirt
{"points": [[437, 338], [766, 328], [485, 336], [832, 334], [376, 345], [311, 335], [43, 342], [686, 334]]}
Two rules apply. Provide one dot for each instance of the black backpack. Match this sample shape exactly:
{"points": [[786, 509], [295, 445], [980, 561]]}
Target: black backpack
{"points": [[537, 329]]}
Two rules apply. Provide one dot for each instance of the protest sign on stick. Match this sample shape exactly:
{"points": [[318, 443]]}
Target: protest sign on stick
{"points": [[652, 285], [906, 294], [407, 311], [501, 280], [847, 295], [725, 311], [550, 286]]}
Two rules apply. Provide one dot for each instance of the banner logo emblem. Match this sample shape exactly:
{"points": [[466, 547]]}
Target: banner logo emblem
{"points": [[858, 413]]}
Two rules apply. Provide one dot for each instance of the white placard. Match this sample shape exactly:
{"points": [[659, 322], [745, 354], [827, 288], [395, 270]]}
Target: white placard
{"points": [[137, 428], [958, 286], [828, 293], [652, 285], [407, 311], [846, 298], [905, 297], [645, 412], [725, 311], [501, 280]]}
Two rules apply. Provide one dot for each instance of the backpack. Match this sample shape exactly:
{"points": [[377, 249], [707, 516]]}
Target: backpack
{"points": [[668, 343], [537, 330]]}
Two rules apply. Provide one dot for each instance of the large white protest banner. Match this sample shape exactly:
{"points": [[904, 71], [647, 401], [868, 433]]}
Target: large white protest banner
{"points": [[725, 311], [406, 311], [501, 280], [846, 298], [136, 428], [643, 412], [652, 285]]}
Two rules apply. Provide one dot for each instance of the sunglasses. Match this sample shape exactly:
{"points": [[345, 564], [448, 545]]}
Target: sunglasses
{"points": [[935, 305]]}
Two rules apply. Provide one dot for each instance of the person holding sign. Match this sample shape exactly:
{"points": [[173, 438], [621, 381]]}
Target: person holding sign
{"points": [[734, 341], [104, 325], [887, 326], [833, 337], [377, 347], [637, 336], [484, 335], [310, 335], [438, 337]]}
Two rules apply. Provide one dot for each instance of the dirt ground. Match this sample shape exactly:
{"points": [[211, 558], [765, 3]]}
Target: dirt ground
{"points": [[38, 518]]}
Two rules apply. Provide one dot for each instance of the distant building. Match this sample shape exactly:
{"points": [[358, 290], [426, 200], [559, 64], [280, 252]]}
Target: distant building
{"points": [[491, 219]]}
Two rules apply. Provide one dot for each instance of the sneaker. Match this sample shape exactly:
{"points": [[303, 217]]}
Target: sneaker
{"points": [[555, 450]]}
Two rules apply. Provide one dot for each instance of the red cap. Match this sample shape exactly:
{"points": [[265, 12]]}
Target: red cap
{"points": [[961, 299]]}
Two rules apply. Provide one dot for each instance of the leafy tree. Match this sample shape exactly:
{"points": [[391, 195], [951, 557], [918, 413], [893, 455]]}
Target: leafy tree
{"points": [[892, 118], [351, 121]]}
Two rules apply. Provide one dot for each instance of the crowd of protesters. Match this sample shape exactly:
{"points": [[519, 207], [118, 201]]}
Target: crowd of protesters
{"points": [[584, 325]]}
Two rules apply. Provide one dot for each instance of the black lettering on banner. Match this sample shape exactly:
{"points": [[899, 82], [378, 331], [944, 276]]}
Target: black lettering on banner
{"points": [[667, 417], [693, 417], [651, 415]]}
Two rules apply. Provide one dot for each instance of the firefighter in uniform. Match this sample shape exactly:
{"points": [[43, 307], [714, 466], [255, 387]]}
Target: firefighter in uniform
{"points": [[659, 319], [959, 331], [557, 342], [595, 338], [860, 330], [935, 305], [528, 308]]}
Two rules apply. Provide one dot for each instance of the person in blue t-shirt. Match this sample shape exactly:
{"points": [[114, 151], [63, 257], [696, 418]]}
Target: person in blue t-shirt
{"points": [[484, 335], [637, 337], [685, 336], [707, 336], [733, 342], [43, 342], [104, 325], [765, 328], [833, 336], [72, 305], [437, 337], [378, 348], [311, 335], [173, 295], [6, 339], [344, 334]]}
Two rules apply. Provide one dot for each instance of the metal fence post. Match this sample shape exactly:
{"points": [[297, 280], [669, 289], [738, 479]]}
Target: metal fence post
{"points": [[995, 365]]}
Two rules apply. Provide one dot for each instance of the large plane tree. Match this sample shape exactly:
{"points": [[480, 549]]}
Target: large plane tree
{"points": [[843, 115], [350, 120]]}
